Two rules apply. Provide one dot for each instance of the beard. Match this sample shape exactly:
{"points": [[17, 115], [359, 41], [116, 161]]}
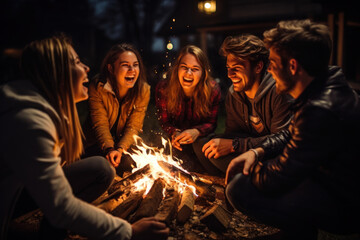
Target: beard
{"points": [[287, 82]]}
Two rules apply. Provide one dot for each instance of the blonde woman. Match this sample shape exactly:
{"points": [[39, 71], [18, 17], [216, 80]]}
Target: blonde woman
{"points": [[40, 132]]}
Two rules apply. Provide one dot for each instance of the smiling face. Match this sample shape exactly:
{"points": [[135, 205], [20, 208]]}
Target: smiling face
{"points": [[126, 71], [189, 73], [240, 72], [79, 75]]}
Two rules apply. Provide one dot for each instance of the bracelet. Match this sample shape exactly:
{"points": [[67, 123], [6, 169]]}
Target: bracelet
{"points": [[256, 153]]}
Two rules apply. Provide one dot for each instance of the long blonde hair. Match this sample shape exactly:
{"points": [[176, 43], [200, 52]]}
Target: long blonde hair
{"points": [[202, 92], [47, 64]]}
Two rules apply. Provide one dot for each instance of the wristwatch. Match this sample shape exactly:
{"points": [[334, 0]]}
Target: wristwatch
{"points": [[235, 144]]}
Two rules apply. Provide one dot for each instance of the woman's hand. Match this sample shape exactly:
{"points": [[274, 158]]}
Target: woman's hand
{"points": [[114, 157], [149, 229], [187, 136]]}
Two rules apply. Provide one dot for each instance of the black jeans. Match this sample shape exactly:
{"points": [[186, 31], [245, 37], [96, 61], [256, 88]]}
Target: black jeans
{"points": [[301, 210], [214, 166], [89, 178]]}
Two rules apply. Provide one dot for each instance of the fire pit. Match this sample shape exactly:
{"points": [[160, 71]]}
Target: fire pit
{"points": [[191, 204], [159, 187]]}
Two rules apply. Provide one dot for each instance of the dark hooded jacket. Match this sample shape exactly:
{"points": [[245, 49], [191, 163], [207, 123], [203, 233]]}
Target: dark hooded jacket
{"points": [[272, 108], [321, 143]]}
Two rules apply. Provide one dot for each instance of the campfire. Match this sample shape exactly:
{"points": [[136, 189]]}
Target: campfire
{"points": [[160, 187], [191, 204]]}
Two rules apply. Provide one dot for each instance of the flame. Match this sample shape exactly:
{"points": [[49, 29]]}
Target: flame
{"points": [[145, 154]]}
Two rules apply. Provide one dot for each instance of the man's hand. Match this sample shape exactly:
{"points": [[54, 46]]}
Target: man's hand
{"points": [[217, 147], [149, 229], [187, 136], [114, 157], [241, 163]]}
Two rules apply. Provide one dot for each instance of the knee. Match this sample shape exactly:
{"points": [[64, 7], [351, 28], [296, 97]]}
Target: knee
{"points": [[199, 143], [235, 191], [104, 170]]}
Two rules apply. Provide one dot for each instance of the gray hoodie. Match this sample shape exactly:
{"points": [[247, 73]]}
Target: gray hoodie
{"points": [[272, 108], [30, 158]]}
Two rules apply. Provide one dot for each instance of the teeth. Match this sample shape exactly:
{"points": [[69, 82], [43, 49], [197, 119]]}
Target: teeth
{"points": [[187, 79]]}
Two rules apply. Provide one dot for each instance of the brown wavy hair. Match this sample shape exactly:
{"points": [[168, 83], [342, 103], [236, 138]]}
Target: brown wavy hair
{"points": [[248, 47], [47, 64], [202, 94], [306, 41], [105, 75]]}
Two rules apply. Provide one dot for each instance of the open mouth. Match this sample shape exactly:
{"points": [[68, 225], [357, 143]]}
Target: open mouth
{"points": [[86, 83], [129, 79], [188, 80]]}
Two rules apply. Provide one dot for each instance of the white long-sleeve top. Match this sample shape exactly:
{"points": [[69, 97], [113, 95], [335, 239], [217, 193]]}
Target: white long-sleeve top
{"points": [[30, 158]]}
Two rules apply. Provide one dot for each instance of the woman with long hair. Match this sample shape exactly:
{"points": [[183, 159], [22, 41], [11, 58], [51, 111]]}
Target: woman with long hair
{"points": [[188, 100], [118, 99], [41, 142]]}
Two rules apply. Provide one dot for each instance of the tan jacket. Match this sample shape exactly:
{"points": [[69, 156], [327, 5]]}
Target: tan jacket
{"points": [[104, 109]]}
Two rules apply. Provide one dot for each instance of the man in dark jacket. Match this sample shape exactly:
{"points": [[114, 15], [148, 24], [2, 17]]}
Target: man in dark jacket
{"points": [[306, 178], [253, 108]]}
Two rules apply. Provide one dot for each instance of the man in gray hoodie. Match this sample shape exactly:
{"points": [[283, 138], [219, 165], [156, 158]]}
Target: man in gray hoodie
{"points": [[253, 108]]}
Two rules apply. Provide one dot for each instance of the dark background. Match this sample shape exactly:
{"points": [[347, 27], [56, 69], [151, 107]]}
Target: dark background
{"points": [[95, 25]]}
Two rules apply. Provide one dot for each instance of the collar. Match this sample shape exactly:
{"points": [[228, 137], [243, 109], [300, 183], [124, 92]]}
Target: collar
{"points": [[310, 91]]}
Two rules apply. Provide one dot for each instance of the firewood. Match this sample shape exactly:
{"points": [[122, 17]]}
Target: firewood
{"points": [[186, 206], [168, 208], [151, 202], [132, 177], [217, 218], [214, 180], [128, 206], [203, 188], [111, 204]]}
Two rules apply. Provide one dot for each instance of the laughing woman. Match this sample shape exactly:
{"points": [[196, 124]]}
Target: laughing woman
{"points": [[118, 99], [40, 132], [187, 102]]}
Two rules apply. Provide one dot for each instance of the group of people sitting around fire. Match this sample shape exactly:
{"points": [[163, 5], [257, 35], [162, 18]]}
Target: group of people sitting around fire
{"points": [[288, 153]]}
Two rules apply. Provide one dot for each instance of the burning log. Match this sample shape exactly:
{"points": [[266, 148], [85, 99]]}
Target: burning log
{"points": [[151, 202], [132, 177], [168, 208], [128, 206], [217, 218], [186, 206], [121, 187], [203, 188], [108, 206]]}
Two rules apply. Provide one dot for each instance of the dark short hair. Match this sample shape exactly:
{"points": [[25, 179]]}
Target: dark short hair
{"points": [[248, 47], [308, 42]]}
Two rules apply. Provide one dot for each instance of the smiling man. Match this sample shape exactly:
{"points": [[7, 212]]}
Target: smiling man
{"points": [[253, 108], [306, 178]]}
